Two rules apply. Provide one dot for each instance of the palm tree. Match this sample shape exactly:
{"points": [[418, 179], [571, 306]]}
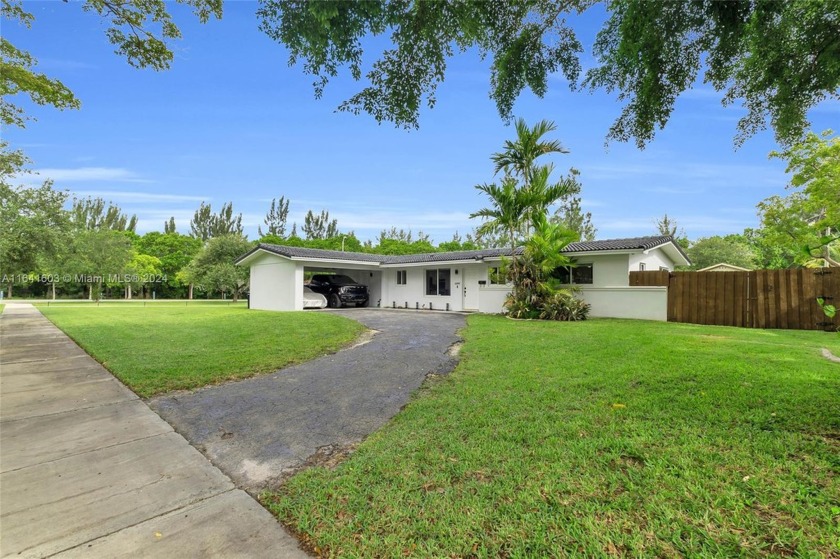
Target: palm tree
{"points": [[543, 194], [519, 156], [511, 207]]}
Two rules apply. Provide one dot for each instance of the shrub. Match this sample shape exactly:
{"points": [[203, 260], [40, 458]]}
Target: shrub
{"points": [[562, 305]]}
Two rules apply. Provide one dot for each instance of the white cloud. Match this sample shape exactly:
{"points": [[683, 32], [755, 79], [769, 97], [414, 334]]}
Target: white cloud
{"points": [[133, 196], [89, 174], [690, 176]]}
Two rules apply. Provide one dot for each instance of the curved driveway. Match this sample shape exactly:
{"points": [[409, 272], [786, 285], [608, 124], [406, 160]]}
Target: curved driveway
{"points": [[261, 429]]}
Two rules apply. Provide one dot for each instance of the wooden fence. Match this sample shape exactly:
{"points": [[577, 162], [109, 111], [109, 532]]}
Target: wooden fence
{"points": [[755, 299]]}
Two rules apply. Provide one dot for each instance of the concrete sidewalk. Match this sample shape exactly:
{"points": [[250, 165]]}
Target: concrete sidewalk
{"points": [[88, 470]]}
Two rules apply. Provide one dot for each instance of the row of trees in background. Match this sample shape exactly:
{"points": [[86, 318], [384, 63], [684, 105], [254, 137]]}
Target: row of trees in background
{"points": [[92, 242]]}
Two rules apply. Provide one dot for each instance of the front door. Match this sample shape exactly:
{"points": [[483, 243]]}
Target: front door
{"points": [[472, 275]]}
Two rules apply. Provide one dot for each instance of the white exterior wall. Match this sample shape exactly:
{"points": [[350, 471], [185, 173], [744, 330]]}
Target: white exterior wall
{"points": [[491, 298], [653, 260], [276, 284], [647, 303], [414, 290], [608, 270]]}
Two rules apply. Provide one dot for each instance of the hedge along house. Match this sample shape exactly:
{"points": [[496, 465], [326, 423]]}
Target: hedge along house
{"points": [[467, 280]]}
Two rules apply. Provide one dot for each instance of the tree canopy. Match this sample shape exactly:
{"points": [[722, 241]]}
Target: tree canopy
{"points": [[778, 58], [810, 215], [729, 249], [139, 29]]}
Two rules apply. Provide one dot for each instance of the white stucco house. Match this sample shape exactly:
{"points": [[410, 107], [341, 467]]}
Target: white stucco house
{"points": [[465, 281]]}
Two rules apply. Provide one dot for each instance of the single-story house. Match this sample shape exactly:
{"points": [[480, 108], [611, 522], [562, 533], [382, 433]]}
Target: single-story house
{"points": [[467, 280], [723, 267]]}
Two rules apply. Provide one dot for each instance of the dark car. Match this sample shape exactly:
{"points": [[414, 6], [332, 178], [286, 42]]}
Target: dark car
{"points": [[339, 290]]}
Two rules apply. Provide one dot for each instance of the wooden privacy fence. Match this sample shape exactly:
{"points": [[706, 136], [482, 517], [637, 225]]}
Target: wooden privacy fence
{"points": [[755, 299]]}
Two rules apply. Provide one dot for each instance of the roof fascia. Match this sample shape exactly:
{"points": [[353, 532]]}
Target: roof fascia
{"points": [[364, 263], [431, 263], [256, 253]]}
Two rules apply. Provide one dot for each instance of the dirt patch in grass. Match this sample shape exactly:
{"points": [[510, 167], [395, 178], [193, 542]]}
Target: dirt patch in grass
{"points": [[830, 356]]}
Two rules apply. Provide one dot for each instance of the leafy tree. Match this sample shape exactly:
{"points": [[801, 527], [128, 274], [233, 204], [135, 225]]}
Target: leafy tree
{"points": [[666, 226], [669, 227], [347, 242], [458, 243], [400, 241], [213, 267], [169, 226], [139, 29], [91, 213], [97, 254], [811, 215], [206, 225], [319, 226], [649, 52], [769, 254], [731, 249], [572, 217], [34, 231], [175, 252], [402, 235], [140, 272], [18, 76], [396, 246], [329, 36], [275, 219]]}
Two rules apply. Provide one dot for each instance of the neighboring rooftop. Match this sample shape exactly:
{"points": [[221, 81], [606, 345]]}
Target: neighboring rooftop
{"points": [[635, 243]]}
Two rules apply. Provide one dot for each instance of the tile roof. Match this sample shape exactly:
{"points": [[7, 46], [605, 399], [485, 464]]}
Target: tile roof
{"points": [[301, 252], [319, 254], [635, 243]]}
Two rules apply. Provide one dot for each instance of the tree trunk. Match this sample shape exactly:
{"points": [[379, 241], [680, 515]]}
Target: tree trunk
{"points": [[53, 291], [10, 290], [90, 291], [190, 292]]}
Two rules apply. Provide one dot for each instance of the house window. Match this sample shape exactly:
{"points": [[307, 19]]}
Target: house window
{"points": [[664, 269], [577, 275], [497, 276], [402, 277], [437, 282], [641, 266]]}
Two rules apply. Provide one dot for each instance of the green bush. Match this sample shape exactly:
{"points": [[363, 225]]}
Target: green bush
{"points": [[562, 305]]}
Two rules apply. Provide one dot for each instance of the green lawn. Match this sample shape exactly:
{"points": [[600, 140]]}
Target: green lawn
{"points": [[597, 438], [165, 347]]}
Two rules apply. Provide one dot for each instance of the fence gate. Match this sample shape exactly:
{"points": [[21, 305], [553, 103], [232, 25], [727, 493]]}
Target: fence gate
{"points": [[754, 299]]}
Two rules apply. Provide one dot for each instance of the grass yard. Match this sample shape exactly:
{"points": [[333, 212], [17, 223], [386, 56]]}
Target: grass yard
{"points": [[165, 347], [599, 438]]}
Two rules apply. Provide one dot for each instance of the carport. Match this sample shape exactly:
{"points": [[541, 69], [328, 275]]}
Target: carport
{"points": [[277, 279]]}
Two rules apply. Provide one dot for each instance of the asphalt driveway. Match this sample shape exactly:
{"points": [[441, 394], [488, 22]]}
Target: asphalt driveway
{"points": [[260, 430]]}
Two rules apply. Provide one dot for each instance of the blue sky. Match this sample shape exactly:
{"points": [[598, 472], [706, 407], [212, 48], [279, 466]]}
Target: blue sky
{"points": [[231, 121]]}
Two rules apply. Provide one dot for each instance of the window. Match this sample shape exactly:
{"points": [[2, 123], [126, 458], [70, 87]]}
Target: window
{"points": [[641, 266], [402, 277], [497, 276], [437, 282], [577, 275], [664, 269]]}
